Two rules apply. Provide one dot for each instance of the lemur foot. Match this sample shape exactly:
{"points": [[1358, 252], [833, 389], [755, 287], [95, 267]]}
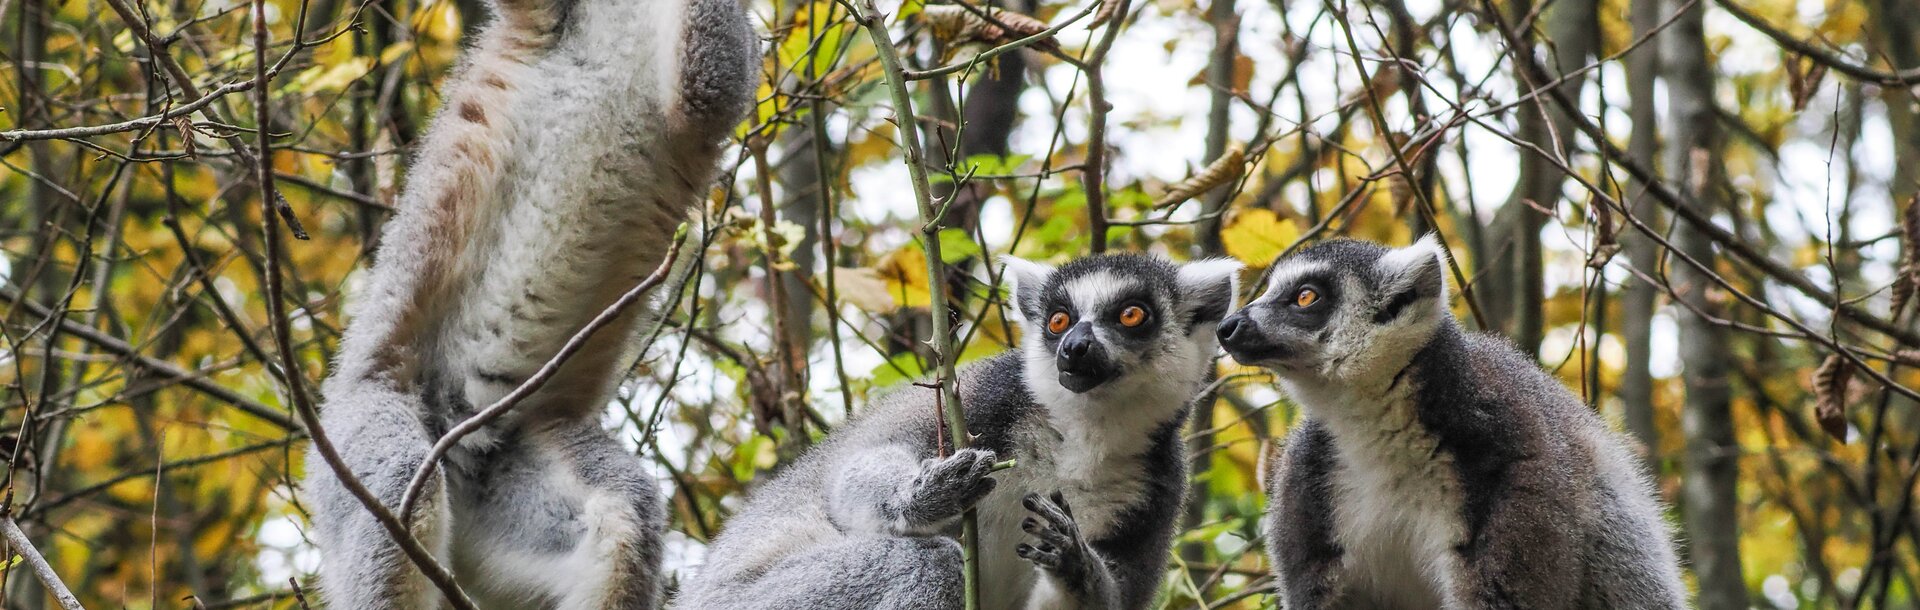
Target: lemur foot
{"points": [[947, 486]]}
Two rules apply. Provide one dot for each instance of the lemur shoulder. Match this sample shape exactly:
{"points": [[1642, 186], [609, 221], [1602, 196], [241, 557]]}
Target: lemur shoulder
{"points": [[1437, 468], [572, 141], [1091, 405]]}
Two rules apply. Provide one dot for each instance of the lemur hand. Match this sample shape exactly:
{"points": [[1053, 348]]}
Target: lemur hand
{"points": [[1061, 552], [947, 486]]}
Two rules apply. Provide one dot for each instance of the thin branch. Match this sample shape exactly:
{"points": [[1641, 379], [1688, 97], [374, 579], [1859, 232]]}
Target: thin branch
{"points": [[128, 125], [172, 372], [23, 547], [1903, 78], [1093, 178], [157, 49], [989, 54]]}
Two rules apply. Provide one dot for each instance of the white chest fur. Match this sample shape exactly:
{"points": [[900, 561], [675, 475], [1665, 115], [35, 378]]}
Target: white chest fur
{"points": [[1397, 504], [1097, 470]]}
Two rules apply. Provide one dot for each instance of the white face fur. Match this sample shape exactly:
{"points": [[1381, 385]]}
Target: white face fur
{"points": [[1342, 313], [1127, 327]]}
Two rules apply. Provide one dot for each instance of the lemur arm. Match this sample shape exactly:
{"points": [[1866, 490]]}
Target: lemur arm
{"points": [[1299, 526], [890, 490], [1517, 556]]}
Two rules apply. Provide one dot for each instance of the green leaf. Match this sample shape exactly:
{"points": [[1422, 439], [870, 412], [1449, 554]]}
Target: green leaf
{"points": [[956, 246], [900, 368]]}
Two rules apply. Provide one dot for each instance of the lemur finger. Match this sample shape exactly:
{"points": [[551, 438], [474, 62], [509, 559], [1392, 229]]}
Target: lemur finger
{"points": [[1049, 535], [1043, 555], [1060, 500], [1059, 519], [983, 463], [980, 489], [957, 466]]}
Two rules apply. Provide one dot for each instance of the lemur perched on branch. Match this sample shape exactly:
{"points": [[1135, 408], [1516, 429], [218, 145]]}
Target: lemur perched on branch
{"points": [[572, 142], [1091, 406], [1437, 468]]}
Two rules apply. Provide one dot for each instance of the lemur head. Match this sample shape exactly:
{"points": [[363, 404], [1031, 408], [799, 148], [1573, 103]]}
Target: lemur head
{"points": [[1343, 311], [1101, 318]]}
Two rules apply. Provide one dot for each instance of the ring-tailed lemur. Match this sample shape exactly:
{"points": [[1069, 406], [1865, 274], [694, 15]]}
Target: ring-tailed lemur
{"points": [[571, 144], [1091, 406], [1437, 468]]}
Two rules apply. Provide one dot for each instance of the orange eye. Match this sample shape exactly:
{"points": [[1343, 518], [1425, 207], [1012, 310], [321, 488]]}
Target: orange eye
{"points": [[1059, 322], [1306, 298], [1133, 316]]}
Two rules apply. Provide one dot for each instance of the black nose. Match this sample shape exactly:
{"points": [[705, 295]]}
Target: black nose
{"points": [[1075, 346], [1235, 327]]}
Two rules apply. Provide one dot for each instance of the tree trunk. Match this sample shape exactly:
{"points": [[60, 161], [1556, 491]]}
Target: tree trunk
{"points": [[1516, 283], [1896, 31], [1639, 297], [1712, 455]]}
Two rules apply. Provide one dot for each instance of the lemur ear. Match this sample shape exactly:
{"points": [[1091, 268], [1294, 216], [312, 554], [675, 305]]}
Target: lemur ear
{"points": [[1028, 278], [1208, 288], [1412, 274]]}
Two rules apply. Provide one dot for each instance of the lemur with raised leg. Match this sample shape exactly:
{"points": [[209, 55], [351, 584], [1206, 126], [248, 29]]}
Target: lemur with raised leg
{"points": [[1113, 349], [1436, 468], [571, 143]]}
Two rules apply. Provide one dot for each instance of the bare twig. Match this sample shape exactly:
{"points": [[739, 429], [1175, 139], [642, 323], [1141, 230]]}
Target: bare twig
{"points": [[1093, 178], [1903, 78], [171, 372], [24, 548], [146, 122]]}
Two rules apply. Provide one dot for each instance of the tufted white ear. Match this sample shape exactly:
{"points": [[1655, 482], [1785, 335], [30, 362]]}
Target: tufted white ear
{"points": [[1416, 272], [1028, 278], [1209, 287]]}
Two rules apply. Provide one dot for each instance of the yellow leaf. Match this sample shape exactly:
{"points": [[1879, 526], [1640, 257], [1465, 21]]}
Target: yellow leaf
{"points": [[906, 273], [1258, 235], [864, 288], [338, 76], [395, 51]]}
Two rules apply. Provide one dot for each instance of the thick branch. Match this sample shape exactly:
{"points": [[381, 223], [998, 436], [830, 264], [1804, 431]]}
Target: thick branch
{"points": [[942, 342]]}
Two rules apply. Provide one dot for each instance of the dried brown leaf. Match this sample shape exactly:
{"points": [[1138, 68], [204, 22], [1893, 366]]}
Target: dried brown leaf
{"points": [[1830, 395], [1223, 170], [1606, 242], [1106, 11], [1908, 275], [1803, 79], [958, 26]]}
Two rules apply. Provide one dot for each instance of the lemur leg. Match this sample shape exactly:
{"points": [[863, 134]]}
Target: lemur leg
{"points": [[1300, 524], [883, 573], [379, 435], [565, 516]]}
